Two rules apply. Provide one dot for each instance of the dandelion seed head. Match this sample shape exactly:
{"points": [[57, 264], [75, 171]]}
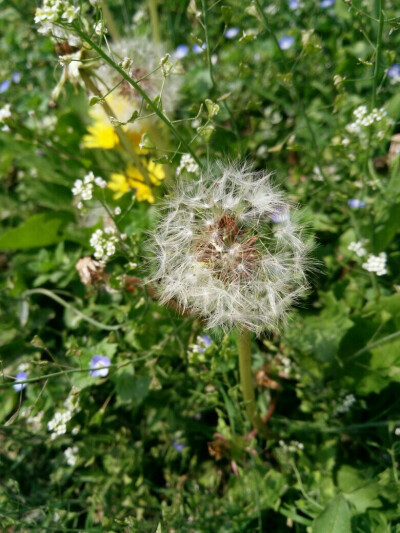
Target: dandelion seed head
{"points": [[218, 253]]}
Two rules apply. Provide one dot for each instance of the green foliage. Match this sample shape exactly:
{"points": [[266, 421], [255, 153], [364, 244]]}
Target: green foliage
{"points": [[161, 443]]}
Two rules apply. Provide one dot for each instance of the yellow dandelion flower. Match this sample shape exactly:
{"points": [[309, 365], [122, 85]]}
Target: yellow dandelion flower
{"points": [[133, 180], [101, 133]]}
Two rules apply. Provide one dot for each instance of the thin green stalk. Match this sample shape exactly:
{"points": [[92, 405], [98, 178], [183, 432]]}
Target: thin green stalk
{"points": [[378, 59], [154, 22], [110, 24], [246, 380], [142, 93], [67, 305]]}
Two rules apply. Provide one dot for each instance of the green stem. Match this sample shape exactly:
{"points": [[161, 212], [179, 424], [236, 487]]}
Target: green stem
{"points": [[67, 305], [378, 58], [110, 24], [154, 22], [142, 93], [246, 379]]}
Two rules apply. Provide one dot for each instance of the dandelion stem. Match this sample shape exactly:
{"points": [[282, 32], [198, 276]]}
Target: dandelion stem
{"points": [[154, 22], [110, 24], [246, 380], [157, 110]]}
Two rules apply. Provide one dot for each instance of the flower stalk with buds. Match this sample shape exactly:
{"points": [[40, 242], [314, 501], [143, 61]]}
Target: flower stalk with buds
{"points": [[228, 249]]}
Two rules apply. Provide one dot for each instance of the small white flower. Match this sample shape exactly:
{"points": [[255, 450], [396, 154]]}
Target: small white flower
{"points": [[71, 454], [104, 243], [99, 28], [376, 264], [100, 182], [187, 163], [117, 211], [358, 248], [218, 254], [5, 112]]}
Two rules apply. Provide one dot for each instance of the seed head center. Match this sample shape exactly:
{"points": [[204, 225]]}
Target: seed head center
{"points": [[229, 250]]}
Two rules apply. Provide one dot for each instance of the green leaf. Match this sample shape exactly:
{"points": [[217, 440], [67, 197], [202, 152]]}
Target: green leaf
{"points": [[43, 229], [358, 488], [132, 388], [335, 518]]}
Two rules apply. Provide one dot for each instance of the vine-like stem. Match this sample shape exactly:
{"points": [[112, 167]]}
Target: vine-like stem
{"points": [[156, 109], [246, 380]]}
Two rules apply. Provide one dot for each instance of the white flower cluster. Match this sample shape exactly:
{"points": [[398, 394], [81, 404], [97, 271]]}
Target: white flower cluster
{"points": [[5, 112], [84, 189], [58, 424], [104, 243], [219, 255], [346, 405], [397, 432], [358, 248], [187, 163], [364, 120], [293, 446], [71, 454], [55, 12], [376, 263]]}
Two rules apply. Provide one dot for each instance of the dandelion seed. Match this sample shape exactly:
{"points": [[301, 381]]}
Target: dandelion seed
{"points": [[218, 254]]}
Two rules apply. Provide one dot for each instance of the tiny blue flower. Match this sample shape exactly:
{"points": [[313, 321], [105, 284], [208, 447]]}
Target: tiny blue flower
{"points": [[99, 366], [394, 72], [294, 4], [231, 33], [4, 86], [16, 76], [178, 447], [326, 3], [203, 342], [199, 49], [280, 215], [21, 376], [355, 203], [181, 51], [286, 42]]}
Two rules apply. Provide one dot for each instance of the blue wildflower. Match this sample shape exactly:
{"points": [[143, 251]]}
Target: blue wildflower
{"points": [[181, 51], [99, 366], [355, 203], [394, 72], [286, 42], [294, 4], [16, 76], [178, 447], [199, 49], [326, 3], [21, 376], [4, 86], [231, 33]]}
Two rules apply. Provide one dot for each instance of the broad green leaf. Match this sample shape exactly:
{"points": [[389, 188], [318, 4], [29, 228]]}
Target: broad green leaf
{"points": [[43, 229], [335, 518], [358, 488]]}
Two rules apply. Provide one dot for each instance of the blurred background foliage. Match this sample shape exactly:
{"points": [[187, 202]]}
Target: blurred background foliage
{"points": [[162, 443]]}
